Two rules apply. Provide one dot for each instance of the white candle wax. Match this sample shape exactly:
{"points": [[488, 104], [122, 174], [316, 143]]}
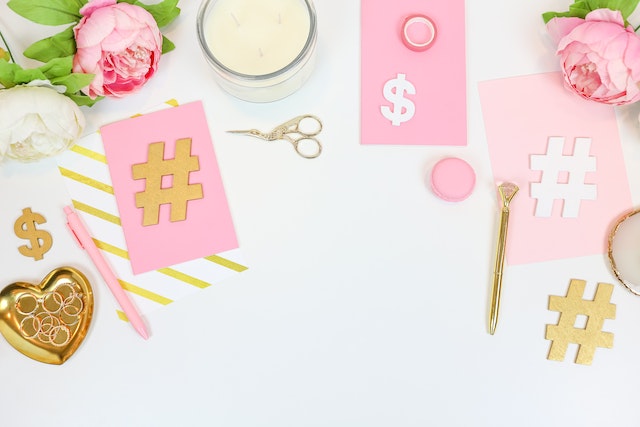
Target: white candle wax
{"points": [[260, 50], [257, 37]]}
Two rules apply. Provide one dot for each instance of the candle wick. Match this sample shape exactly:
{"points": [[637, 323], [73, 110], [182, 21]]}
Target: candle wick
{"points": [[235, 19], [260, 51]]}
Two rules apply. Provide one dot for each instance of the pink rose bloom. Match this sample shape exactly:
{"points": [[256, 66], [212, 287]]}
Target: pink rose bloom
{"points": [[118, 42], [600, 58]]}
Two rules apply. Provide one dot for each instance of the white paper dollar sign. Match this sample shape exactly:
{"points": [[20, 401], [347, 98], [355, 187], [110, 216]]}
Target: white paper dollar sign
{"points": [[403, 108]]}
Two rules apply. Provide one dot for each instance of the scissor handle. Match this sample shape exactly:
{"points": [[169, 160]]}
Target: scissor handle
{"points": [[301, 145], [296, 125]]}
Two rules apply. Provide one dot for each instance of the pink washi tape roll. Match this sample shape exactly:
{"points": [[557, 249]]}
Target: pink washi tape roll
{"points": [[453, 179], [418, 32]]}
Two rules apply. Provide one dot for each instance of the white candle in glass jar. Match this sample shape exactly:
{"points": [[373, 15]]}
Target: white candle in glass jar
{"points": [[259, 44], [257, 37]]}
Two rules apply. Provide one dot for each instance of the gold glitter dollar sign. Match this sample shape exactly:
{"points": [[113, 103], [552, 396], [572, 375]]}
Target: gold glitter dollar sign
{"points": [[25, 228]]}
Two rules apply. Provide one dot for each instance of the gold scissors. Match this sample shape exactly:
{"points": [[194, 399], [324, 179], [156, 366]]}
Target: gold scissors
{"points": [[304, 141]]}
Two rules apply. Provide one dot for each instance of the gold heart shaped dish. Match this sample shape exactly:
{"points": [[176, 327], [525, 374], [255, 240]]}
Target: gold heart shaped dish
{"points": [[47, 322]]}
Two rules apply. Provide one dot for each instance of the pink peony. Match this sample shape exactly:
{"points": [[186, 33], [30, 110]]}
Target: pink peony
{"points": [[600, 58], [118, 42]]}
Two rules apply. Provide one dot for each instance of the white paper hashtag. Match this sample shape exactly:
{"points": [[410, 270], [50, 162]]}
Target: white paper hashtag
{"points": [[550, 187]]}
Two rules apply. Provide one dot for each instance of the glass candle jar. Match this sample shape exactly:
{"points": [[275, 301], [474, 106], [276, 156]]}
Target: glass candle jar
{"points": [[260, 51]]}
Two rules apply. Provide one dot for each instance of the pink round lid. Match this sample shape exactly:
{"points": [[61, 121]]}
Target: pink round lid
{"points": [[453, 179]]}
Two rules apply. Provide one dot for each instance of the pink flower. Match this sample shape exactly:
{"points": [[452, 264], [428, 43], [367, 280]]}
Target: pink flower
{"points": [[600, 58], [118, 42]]}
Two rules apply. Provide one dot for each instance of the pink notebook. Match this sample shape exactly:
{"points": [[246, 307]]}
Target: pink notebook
{"points": [[407, 96]]}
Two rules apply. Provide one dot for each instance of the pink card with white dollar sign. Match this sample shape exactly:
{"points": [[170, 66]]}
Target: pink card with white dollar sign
{"points": [[413, 72]]}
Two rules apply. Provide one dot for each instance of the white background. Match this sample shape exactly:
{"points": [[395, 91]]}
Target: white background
{"points": [[366, 299]]}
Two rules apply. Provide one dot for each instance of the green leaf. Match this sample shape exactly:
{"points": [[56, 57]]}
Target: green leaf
{"points": [[596, 4], [74, 81], [48, 12], [81, 99], [57, 46], [578, 9], [581, 8], [57, 67], [626, 7], [28, 75], [7, 73], [57, 71], [548, 16], [167, 45]]}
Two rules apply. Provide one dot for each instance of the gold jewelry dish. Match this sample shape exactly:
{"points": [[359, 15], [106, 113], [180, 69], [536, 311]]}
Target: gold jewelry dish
{"points": [[624, 250], [48, 321]]}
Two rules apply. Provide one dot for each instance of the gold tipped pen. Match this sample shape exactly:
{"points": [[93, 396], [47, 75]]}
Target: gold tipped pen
{"points": [[507, 190]]}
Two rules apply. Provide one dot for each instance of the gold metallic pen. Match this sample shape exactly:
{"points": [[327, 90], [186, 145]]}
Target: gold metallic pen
{"points": [[507, 190]]}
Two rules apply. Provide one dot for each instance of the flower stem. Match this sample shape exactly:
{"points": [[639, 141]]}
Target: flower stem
{"points": [[7, 46]]}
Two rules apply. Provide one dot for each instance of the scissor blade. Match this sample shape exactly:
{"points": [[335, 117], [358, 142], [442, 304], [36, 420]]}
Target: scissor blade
{"points": [[251, 132]]}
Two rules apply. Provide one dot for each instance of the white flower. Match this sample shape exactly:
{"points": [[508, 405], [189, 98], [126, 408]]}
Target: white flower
{"points": [[37, 122]]}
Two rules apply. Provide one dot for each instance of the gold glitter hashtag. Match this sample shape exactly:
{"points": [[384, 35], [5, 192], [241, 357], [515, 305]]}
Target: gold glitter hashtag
{"points": [[178, 193], [591, 336]]}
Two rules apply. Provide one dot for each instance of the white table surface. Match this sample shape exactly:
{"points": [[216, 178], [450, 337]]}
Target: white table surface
{"points": [[366, 299]]}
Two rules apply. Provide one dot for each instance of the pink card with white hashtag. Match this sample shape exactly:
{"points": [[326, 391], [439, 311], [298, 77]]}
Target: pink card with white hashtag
{"points": [[168, 188], [413, 96], [564, 153]]}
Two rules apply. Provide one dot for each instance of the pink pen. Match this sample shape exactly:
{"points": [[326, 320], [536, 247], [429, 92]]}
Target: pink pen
{"points": [[86, 242]]}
